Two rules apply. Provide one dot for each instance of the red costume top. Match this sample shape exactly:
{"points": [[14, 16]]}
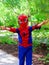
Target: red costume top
{"points": [[24, 31]]}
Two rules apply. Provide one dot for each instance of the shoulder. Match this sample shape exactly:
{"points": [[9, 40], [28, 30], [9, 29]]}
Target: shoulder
{"points": [[30, 28], [17, 30]]}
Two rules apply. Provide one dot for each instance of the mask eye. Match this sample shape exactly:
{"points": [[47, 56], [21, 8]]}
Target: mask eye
{"points": [[20, 22], [25, 20]]}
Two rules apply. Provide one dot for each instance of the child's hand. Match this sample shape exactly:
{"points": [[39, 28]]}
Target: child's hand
{"points": [[46, 21], [2, 27]]}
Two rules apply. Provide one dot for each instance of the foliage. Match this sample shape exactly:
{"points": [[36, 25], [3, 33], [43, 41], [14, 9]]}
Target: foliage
{"points": [[45, 59], [12, 8], [41, 38], [7, 40]]}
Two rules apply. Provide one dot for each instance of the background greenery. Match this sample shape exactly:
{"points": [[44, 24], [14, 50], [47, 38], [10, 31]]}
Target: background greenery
{"points": [[38, 11]]}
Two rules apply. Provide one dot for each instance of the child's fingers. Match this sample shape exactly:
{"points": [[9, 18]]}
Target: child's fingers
{"points": [[2, 27], [46, 21]]}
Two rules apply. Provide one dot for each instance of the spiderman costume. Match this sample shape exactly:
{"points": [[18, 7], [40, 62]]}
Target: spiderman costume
{"points": [[25, 39]]}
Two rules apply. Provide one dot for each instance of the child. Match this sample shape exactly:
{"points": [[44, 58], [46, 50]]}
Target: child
{"points": [[25, 38]]}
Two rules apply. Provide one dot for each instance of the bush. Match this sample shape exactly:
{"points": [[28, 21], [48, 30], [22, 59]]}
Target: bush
{"points": [[7, 40], [41, 42]]}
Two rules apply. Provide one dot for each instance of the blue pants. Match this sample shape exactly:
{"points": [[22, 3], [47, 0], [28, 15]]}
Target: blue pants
{"points": [[25, 53]]}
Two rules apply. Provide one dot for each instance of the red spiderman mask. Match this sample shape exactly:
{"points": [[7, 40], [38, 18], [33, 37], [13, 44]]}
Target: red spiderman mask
{"points": [[23, 20]]}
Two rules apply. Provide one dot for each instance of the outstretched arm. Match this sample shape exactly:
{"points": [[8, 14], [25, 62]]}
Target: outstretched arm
{"points": [[42, 23], [37, 26], [9, 29]]}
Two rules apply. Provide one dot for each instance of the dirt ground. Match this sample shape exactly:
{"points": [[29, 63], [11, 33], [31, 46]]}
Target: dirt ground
{"points": [[13, 49]]}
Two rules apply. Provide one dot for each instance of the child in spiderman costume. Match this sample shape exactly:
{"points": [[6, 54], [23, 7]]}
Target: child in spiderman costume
{"points": [[25, 38]]}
